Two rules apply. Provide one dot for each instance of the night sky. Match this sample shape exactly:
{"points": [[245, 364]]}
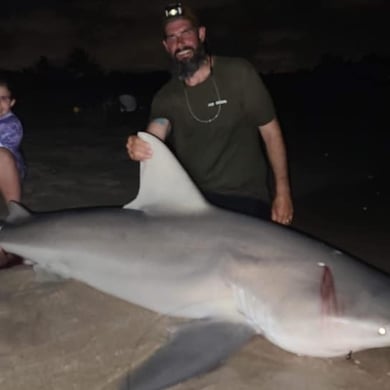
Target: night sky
{"points": [[277, 35]]}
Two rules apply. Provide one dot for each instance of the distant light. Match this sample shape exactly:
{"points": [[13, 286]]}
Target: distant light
{"points": [[382, 331], [76, 110]]}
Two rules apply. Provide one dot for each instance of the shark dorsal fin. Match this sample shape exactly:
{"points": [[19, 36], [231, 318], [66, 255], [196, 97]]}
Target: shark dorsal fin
{"points": [[165, 188], [17, 213]]}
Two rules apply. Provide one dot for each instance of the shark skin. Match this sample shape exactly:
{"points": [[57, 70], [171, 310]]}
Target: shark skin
{"points": [[234, 276]]}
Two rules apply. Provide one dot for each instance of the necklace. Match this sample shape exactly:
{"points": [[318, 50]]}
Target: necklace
{"points": [[194, 116]]}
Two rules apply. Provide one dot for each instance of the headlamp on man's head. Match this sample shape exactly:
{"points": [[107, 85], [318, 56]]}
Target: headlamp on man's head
{"points": [[177, 10], [173, 10]]}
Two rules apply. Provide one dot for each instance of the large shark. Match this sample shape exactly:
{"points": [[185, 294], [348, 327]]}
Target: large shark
{"points": [[234, 276]]}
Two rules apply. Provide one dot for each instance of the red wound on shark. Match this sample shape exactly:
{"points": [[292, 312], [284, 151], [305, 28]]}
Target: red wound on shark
{"points": [[329, 304]]}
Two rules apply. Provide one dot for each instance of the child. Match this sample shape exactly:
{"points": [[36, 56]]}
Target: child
{"points": [[11, 133], [11, 161]]}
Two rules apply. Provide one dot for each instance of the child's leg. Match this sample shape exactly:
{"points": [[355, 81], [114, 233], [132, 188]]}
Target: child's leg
{"points": [[9, 176]]}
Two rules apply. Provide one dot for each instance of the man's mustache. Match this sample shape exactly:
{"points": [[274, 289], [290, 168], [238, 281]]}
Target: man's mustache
{"points": [[177, 51]]}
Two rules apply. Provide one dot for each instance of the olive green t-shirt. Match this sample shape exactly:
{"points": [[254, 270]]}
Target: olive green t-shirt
{"points": [[215, 132]]}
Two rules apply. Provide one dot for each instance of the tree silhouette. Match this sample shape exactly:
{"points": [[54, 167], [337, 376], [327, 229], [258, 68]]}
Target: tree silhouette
{"points": [[81, 64]]}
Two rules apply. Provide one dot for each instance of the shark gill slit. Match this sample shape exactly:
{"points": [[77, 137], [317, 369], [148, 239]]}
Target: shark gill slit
{"points": [[329, 304]]}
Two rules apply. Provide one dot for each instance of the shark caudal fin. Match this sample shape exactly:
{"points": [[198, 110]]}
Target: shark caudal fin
{"points": [[165, 188]]}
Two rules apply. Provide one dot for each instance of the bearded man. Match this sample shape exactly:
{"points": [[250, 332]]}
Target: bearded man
{"points": [[218, 117]]}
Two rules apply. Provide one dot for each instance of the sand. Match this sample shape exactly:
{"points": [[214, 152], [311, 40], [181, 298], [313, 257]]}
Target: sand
{"points": [[66, 335]]}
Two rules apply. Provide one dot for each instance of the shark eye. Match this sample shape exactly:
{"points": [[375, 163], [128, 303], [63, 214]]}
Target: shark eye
{"points": [[382, 331]]}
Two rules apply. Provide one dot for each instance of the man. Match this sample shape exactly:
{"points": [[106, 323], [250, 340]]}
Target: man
{"points": [[212, 112]]}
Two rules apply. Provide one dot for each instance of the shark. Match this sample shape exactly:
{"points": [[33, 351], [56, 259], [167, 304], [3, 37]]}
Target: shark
{"points": [[231, 277]]}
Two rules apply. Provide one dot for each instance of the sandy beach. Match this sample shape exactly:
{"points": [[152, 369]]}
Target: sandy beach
{"points": [[65, 335]]}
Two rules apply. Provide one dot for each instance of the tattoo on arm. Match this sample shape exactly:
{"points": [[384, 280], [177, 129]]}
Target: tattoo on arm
{"points": [[161, 121]]}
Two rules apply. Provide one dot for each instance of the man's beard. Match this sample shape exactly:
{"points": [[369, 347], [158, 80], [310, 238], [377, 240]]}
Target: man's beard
{"points": [[186, 69]]}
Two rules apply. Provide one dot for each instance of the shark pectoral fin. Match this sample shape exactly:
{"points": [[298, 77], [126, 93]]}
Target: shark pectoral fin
{"points": [[195, 349], [164, 187]]}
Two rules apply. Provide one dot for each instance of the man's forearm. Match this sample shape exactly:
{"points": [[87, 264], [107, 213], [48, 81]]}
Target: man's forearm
{"points": [[277, 156], [160, 127]]}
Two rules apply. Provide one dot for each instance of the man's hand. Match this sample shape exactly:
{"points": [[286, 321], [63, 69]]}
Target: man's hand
{"points": [[282, 209], [138, 149]]}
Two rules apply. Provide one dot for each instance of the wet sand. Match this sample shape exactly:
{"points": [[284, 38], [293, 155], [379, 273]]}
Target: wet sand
{"points": [[68, 336]]}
